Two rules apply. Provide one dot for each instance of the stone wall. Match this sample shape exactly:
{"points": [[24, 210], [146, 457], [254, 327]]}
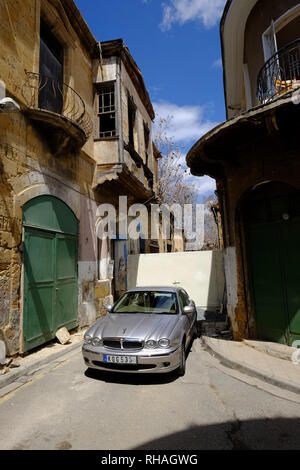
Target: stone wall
{"points": [[28, 167], [270, 160]]}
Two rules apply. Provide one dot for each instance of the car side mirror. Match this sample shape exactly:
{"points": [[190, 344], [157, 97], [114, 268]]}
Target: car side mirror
{"points": [[108, 307], [188, 309]]}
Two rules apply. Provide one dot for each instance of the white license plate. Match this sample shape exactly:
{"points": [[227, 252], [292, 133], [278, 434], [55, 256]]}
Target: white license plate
{"points": [[120, 359]]}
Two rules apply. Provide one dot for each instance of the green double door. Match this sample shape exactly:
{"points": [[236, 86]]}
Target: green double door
{"points": [[273, 235], [50, 270]]}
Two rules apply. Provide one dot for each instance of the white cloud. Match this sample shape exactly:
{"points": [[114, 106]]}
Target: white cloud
{"points": [[202, 184], [217, 64], [205, 184], [207, 12], [187, 123]]}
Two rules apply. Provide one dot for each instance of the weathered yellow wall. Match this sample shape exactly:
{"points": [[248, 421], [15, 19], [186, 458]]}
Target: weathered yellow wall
{"points": [[141, 115], [108, 150], [28, 167]]}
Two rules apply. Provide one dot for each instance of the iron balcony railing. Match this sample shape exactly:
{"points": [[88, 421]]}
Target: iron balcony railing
{"points": [[46, 93], [280, 73]]}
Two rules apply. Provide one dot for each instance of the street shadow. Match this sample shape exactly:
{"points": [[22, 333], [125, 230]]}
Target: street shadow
{"points": [[127, 378], [124, 378], [213, 318], [256, 434]]}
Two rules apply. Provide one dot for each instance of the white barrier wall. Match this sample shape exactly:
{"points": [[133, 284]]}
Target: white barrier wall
{"points": [[201, 273]]}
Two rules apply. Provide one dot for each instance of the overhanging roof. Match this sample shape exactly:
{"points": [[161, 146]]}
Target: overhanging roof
{"points": [[118, 48], [208, 154]]}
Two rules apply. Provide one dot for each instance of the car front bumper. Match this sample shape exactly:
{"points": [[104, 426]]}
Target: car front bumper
{"points": [[154, 361]]}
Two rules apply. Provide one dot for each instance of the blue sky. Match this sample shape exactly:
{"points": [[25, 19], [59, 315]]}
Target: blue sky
{"points": [[176, 44]]}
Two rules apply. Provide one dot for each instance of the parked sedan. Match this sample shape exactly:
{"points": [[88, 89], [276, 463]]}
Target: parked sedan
{"points": [[147, 330]]}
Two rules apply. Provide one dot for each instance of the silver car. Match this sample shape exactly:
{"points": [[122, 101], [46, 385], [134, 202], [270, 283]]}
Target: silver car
{"points": [[147, 330]]}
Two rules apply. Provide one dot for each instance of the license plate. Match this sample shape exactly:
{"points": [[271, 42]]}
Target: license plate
{"points": [[120, 359]]}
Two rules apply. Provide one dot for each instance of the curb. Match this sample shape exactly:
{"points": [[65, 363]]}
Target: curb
{"points": [[279, 351], [244, 368], [11, 376]]}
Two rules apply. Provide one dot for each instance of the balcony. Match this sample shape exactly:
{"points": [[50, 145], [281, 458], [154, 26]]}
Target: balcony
{"points": [[281, 73], [57, 107]]}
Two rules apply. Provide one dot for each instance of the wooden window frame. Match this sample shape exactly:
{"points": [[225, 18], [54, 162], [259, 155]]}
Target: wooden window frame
{"points": [[132, 110], [99, 110]]}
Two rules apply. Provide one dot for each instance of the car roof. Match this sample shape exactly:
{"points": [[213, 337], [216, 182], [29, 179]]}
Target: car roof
{"points": [[151, 288]]}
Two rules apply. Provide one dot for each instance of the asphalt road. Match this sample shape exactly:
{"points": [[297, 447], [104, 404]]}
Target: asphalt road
{"points": [[63, 406]]}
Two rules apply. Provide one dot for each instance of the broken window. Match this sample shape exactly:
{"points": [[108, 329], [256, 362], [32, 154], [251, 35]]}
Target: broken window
{"points": [[51, 71], [146, 138], [131, 120], [106, 111]]}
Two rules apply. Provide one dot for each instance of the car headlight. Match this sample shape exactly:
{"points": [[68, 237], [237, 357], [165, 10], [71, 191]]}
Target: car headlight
{"points": [[87, 339], [96, 342], [164, 343], [151, 343]]}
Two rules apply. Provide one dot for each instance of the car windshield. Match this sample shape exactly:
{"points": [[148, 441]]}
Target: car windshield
{"points": [[147, 302]]}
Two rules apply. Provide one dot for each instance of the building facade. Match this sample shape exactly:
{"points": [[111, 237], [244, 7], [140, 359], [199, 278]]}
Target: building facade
{"points": [[255, 158], [123, 152], [82, 138]]}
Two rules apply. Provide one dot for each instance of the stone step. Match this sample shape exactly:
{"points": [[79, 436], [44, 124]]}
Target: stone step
{"points": [[281, 351]]}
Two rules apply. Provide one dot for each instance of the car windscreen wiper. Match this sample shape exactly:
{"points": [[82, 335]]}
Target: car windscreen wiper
{"points": [[165, 313]]}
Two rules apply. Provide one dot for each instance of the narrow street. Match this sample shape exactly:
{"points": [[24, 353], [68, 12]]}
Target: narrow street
{"points": [[64, 406]]}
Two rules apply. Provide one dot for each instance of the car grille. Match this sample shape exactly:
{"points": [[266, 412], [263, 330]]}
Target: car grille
{"points": [[120, 343], [108, 343]]}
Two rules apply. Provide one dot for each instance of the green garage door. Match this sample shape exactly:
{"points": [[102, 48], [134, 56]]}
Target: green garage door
{"points": [[50, 269], [273, 234]]}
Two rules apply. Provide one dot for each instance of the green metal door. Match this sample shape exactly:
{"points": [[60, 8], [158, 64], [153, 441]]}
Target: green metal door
{"points": [[39, 287], [273, 233], [291, 257], [50, 269], [66, 281]]}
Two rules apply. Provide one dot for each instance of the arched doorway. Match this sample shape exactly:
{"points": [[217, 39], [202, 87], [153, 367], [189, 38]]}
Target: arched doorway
{"points": [[272, 229], [50, 269]]}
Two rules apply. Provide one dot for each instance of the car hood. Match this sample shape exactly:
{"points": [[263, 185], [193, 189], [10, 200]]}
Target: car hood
{"points": [[139, 326]]}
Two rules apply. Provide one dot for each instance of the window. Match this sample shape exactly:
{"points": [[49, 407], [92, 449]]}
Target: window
{"points": [[281, 71], [146, 139], [147, 302], [183, 299], [106, 111], [154, 248], [131, 120], [281, 32], [51, 71]]}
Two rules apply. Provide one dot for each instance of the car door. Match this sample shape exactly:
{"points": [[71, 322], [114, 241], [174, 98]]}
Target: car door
{"points": [[184, 301]]}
